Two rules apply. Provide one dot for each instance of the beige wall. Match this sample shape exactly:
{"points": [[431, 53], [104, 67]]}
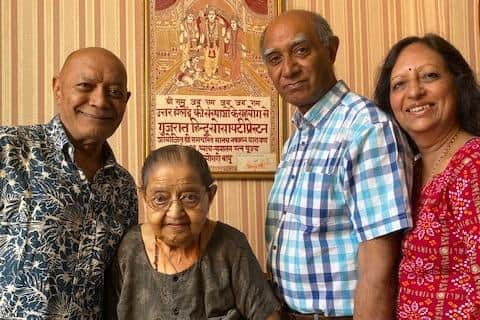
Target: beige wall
{"points": [[36, 36]]}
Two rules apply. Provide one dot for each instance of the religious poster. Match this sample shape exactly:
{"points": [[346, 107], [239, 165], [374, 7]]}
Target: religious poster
{"points": [[208, 86]]}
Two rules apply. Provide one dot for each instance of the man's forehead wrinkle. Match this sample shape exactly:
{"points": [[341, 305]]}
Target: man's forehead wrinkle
{"points": [[84, 56], [268, 51], [87, 70], [299, 38]]}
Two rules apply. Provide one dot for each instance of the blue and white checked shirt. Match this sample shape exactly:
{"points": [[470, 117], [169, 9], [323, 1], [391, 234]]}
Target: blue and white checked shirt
{"points": [[342, 180]]}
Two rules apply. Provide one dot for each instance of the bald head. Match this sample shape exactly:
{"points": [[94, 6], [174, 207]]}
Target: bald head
{"points": [[311, 20], [91, 94], [95, 52]]}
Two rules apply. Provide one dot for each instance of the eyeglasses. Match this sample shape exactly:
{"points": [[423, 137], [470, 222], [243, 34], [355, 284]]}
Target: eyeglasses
{"points": [[161, 201]]}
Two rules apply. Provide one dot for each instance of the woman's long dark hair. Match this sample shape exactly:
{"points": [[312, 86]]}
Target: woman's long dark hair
{"points": [[466, 87]]}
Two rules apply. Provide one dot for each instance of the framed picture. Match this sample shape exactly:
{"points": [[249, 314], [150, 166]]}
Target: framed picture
{"points": [[208, 87]]}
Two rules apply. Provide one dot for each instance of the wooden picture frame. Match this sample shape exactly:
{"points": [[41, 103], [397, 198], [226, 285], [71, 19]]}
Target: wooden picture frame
{"points": [[207, 86]]}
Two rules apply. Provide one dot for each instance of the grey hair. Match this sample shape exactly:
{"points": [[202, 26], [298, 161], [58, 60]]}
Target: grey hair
{"points": [[176, 155], [322, 27], [324, 31]]}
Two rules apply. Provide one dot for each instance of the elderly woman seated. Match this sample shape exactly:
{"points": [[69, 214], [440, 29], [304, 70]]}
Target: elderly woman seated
{"points": [[180, 264]]}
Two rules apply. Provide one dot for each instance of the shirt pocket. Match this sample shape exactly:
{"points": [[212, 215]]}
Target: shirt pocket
{"points": [[314, 194], [324, 162]]}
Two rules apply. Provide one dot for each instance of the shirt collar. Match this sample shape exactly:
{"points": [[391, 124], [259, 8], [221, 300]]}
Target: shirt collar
{"points": [[61, 142], [321, 107]]}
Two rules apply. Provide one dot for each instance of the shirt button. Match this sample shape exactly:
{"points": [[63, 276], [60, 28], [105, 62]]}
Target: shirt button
{"points": [[292, 176], [444, 251], [175, 278], [175, 311], [284, 212], [274, 247]]}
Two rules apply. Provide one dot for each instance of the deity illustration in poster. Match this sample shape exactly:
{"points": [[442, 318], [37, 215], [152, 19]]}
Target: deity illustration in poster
{"points": [[212, 44], [205, 54], [189, 36], [235, 40]]}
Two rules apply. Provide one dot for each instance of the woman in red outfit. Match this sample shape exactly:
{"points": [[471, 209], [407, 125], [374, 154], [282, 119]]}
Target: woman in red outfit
{"points": [[429, 88]]}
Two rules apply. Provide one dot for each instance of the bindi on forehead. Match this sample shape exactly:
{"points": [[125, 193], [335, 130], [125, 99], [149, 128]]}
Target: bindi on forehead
{"points": [[401, 71]]}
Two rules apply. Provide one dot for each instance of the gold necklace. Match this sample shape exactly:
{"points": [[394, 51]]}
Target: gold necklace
{"points": [[155, 261], [445, 153]]}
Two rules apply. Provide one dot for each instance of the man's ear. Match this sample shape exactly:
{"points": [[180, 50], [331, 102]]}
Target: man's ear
{"points": [[333, 47], [128, 96], [57, 93]]}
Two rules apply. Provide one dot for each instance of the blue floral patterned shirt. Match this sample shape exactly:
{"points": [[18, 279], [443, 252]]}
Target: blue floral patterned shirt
{"points": [[58, 231]]}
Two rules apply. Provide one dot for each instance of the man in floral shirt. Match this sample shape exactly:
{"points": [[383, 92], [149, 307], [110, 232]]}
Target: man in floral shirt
{"points": [[64, 200]]}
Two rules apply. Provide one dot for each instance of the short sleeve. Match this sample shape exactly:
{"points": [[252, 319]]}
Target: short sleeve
{"points": [[377, 181]]}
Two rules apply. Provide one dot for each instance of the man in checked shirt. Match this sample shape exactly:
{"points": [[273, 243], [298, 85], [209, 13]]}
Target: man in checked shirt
{"points": [[341, 195]]}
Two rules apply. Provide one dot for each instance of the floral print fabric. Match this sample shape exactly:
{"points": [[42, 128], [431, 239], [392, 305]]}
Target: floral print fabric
{"points": [[440, 266], [58, 231]]}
